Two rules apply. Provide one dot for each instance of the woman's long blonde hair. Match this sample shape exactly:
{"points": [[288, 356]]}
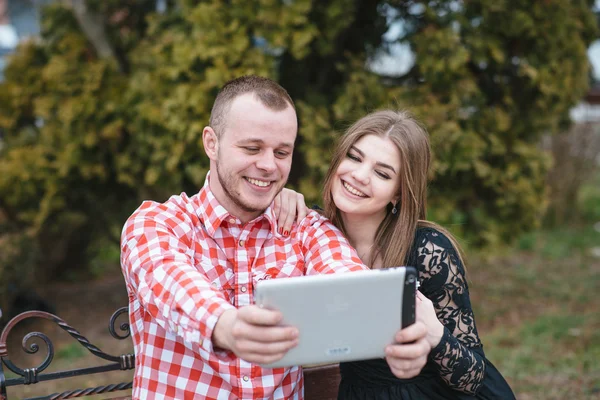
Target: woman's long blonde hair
{"points": [[396, 233]]}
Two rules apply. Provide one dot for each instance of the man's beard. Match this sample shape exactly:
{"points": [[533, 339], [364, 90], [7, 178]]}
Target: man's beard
{"points": [[227, 183]]}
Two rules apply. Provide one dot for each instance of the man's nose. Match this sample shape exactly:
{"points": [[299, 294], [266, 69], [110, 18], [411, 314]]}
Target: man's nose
{"points": [[267, 162]]}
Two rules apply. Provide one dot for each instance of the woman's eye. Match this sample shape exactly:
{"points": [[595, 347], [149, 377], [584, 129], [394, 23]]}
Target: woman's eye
{"points": [[383, 175], [353, 157]]}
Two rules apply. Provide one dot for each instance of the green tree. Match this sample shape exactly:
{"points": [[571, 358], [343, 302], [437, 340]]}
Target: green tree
{"points": [[108, 108], [489, 78]]}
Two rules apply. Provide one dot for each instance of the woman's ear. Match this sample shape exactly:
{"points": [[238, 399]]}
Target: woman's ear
{"points": [[210, 142]]}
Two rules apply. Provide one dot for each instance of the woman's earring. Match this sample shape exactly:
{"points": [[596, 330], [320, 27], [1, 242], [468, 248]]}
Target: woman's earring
{"points": [[394, 210]]}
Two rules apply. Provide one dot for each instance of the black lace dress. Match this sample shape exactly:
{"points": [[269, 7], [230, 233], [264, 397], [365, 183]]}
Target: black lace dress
{"points": [[457, 367]]}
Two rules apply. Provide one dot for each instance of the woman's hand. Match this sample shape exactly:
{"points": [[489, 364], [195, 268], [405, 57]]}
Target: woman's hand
{"points": [[426, 314], [289, 204], [407, 356]]}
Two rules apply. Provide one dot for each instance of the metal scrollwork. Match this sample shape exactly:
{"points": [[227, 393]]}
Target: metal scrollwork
{"points": [[33, 348], [90, 391], [123, 327], [32, 375]]}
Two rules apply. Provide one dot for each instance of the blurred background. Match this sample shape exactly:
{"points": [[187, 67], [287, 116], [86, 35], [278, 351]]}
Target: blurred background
{"points": [[102, 105]]}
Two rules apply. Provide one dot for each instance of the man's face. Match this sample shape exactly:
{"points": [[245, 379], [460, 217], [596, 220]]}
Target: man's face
{"points": [[252, 157]]}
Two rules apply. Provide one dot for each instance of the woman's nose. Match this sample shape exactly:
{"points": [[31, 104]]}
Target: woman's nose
{"points": [[361, 174]]}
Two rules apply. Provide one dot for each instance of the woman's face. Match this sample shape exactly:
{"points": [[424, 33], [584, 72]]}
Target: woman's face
{"points": [[368, 178]]}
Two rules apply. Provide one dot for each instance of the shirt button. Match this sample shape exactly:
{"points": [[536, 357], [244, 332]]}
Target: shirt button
{"points": [[246, 378], [232, 220], [242, 243], [243, 289]]}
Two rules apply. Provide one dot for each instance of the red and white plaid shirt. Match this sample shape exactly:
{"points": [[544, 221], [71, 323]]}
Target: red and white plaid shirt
{"points": [[188, 260]]}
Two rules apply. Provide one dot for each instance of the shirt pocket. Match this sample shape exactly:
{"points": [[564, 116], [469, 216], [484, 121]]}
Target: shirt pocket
{"points": [[221, 279], [225, 287]]}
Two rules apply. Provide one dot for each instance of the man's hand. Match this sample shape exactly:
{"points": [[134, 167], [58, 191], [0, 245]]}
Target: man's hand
{"points": [[408, 355], [252, 334]]}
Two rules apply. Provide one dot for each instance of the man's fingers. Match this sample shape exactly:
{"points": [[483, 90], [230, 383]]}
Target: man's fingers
{"points": [[269, 349], [255, 315], [259, 358], [260, 334], [258, 338], [260, 325], [411, 333]]}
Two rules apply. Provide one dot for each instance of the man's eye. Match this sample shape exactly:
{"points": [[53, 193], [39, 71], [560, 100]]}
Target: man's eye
{"points": [[282, 154], [251, 149]]}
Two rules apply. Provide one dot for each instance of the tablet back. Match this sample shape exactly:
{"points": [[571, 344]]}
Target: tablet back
{"points": [[341, 317]]}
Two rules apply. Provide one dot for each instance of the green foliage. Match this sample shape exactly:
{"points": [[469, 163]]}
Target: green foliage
{"points": [[489, 79], [64, 127], [87, 137], [500, 79], [588, 201]]}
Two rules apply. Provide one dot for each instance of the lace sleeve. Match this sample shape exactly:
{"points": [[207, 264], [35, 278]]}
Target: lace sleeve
{"points": [[459, 355]]}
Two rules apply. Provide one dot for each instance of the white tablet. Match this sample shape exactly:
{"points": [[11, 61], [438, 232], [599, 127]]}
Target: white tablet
{"points": [[342, 317]]}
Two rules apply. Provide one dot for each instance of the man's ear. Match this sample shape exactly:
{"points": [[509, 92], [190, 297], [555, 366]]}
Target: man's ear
{"points": [[210, 142]]}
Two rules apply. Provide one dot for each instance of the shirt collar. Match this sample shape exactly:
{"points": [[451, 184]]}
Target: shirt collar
{"points": [[213, 214]]}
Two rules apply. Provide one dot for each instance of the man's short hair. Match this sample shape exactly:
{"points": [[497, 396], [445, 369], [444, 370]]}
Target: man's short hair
{"points": [[267, 91]]}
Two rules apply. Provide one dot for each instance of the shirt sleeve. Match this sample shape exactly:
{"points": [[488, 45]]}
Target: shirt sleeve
{"points": [[459, 356], [325, 248], [157, 262]]}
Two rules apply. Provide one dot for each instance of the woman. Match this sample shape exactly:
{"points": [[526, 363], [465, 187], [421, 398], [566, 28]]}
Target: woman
{"points": [[375, 191]]}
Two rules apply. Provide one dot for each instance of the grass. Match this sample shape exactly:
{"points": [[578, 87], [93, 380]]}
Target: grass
{"points": [[539, 314], [71, 352]]}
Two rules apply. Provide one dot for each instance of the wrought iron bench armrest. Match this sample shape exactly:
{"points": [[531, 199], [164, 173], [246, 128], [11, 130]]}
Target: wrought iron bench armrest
{"points": [[28, 376]]}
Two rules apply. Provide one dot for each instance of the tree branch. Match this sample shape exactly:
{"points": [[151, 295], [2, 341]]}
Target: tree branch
{"points": [[93, 26]]}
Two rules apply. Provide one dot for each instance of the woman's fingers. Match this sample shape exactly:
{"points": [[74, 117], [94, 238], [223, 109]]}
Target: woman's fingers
{"points": [[289, 206]]}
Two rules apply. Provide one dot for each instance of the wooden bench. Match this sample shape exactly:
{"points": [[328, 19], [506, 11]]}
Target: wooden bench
{"points": [[321, 382]]}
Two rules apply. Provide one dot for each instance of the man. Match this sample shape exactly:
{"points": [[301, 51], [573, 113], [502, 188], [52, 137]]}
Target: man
{"points": [[191, 263]]}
